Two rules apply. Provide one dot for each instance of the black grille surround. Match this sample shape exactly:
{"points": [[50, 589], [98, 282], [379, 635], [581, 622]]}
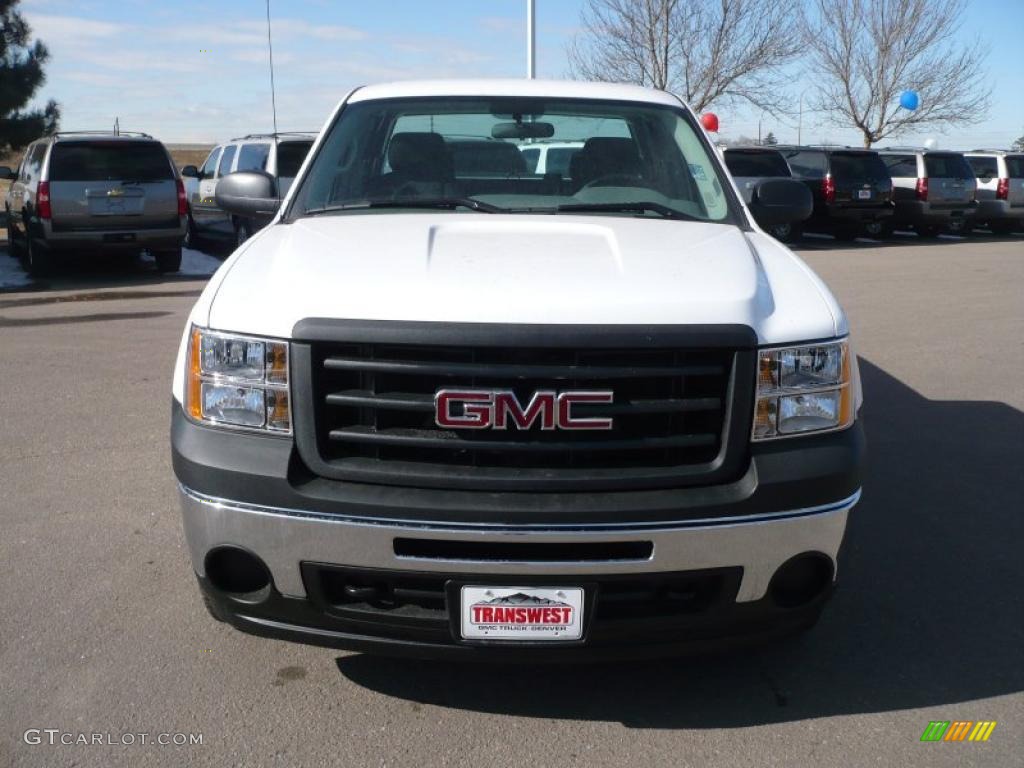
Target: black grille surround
{"points": [[363, 403]]}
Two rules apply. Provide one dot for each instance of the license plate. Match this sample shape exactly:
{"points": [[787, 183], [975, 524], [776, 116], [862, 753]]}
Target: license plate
{"points": [[527, 614], [863, 194]]}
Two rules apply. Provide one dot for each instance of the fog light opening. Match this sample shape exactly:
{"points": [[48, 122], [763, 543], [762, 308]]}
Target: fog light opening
{"points": [[238, 573], [801, 579]]}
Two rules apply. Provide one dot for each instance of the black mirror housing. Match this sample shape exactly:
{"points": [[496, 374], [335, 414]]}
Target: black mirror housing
{"points": [[190, 171], [6, 173], [781, 201], [248, 194]]}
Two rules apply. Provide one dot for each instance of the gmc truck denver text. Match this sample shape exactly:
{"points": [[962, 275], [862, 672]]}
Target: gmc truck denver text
{"points": [[446, 406]]}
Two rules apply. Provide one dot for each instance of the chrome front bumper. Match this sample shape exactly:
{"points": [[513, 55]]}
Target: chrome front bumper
{"points": [[284, 538]]}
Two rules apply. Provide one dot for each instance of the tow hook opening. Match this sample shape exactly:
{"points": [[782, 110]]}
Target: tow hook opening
{"points": [[238, 573], [801, 580]]}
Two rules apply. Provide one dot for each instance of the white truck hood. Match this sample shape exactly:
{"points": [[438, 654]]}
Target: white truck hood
{"points": [[517, 269]]}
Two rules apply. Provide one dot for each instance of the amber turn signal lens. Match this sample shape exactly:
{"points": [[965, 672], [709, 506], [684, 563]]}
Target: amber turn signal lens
{"points": [[193, 386]]}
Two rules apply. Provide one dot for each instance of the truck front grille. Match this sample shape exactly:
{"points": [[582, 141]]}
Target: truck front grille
{"points": [[372, 413]]}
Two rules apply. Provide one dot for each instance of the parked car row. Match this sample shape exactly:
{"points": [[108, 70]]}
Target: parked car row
{"points": [[873, 193], [89, 191], [83, 192]]}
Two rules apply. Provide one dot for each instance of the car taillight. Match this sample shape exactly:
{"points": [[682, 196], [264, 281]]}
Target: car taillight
{"points": [[182, 200], [922, 189], [828, 188], [1003, 189], [43, 200]]}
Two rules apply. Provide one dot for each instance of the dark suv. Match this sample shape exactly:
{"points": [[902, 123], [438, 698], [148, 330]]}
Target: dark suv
{"points": [[749, 166], [94, 191], [852, 189]]}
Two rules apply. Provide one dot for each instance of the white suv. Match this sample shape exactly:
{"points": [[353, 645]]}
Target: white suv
{"points": [[277, 154], [445, 409], [1000, 177]]}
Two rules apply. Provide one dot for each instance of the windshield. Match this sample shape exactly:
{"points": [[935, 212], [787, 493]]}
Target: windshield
{"points": [[290, 155], [857, 166], [746, 163], [947, 166], [481, 155], [109, 161]]}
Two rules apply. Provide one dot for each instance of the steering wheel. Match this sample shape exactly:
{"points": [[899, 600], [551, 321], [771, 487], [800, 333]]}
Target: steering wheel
{"points": [[609, 179]]}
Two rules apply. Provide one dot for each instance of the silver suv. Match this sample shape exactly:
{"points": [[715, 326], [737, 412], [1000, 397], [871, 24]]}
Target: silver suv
{"points": [[1000, 176], [279, 155], [934, 190], [95, 191]]}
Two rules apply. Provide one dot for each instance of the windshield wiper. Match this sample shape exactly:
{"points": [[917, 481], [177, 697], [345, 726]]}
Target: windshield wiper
{"points": [[639, 207], [411, 202]]}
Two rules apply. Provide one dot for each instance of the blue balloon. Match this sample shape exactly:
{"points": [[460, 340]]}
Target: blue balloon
{"points": [[909, 100]]}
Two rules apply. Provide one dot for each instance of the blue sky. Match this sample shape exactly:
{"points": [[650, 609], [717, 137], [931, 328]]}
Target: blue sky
{"points": [[197, 71]]}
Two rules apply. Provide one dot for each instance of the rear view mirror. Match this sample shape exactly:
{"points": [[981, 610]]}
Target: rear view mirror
{"points": [[522, 131], [781, 201], [6, 173], [247, 194], [190, 171]]}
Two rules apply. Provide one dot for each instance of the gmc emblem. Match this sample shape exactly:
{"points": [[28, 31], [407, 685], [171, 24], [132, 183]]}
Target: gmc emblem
{"points": [[497, 409]]}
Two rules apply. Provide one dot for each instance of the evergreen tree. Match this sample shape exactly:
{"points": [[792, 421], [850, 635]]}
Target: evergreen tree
{"points": [[21, 75], [770, 139]]}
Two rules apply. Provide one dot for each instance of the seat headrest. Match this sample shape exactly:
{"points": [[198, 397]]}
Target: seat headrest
{"points": [[419, 153]]}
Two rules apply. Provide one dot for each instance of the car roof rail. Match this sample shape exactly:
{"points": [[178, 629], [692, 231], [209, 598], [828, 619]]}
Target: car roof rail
{"points": [[130, 134], [985, 149], [274, 135]]}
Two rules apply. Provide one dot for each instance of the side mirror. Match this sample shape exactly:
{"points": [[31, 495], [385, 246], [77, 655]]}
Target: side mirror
{"points": [[190, 171], [6, 173], [781, 201], [247, 194]]}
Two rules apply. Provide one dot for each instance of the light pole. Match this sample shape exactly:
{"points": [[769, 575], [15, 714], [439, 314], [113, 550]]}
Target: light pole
{"points": [[759, 125], [800, 119], [531, 39]]}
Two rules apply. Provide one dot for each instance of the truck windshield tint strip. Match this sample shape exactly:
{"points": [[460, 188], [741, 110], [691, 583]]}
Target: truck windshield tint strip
{"points": [[109, 161]]}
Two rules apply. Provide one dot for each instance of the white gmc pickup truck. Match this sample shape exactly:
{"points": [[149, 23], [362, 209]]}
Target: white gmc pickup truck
{"points": [[447, 406]]}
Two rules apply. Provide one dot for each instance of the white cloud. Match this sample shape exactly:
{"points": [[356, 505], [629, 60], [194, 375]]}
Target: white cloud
{"points": [[55, 30]]}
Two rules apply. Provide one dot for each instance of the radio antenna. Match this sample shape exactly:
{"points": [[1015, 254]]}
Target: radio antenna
{"points": [[270, 49]]}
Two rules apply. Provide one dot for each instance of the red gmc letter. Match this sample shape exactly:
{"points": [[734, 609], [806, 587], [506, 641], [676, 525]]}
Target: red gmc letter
{"points": [[542, 404], [566, 401], [477, 409]]}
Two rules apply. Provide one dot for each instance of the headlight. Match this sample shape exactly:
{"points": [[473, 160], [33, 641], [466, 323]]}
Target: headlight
{"points": [[238, 381], [803, 389]]}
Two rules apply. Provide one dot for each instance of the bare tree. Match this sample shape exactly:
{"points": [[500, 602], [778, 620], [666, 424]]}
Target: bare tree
{"points": [[865, 52], [704, 50]]}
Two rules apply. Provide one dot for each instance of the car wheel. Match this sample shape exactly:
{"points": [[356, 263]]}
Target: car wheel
{"points": [[243, 231], [927, 231], [168, 261], [13, 246], [874, 229], [38, 258], [957, 227], [191, 236]]}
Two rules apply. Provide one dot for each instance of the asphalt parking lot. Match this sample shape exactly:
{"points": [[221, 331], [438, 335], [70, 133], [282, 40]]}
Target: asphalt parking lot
{"points": [[103, 630]]}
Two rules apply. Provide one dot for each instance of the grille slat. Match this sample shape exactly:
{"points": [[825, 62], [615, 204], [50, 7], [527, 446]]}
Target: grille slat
{"points": [[675, 399], [402, 401], [489, 370], [447, 440]]}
